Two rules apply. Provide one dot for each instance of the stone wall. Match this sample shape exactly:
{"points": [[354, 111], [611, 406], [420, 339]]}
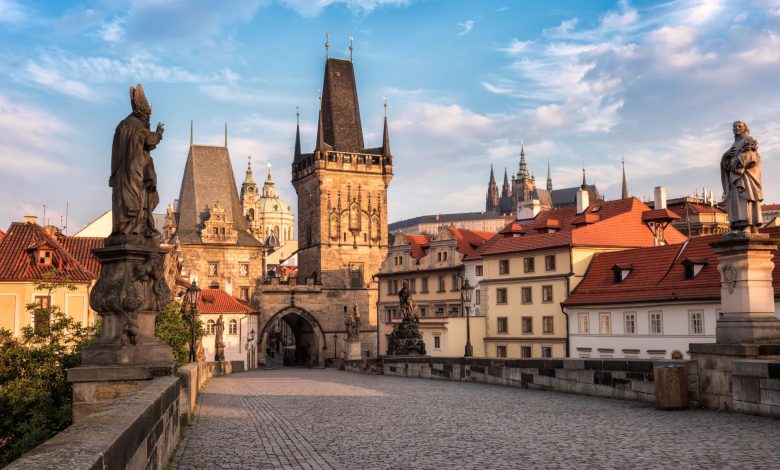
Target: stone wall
{"points": [[756, 387], [139, 430], [614, 378]]}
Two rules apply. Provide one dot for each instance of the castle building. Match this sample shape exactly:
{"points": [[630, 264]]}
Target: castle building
{"points": [[270, 219], [342, 230]]}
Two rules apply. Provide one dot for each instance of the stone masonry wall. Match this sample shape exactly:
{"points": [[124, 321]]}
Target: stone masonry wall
{"points": [[756, 387], [136, 431], [613, 378]]}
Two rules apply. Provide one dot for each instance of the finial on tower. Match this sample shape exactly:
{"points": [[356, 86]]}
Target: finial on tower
{"points": [[327, 45], [191, 131], [584, 184], [297, 117], [384, 98], [350, 47], [249, 162], [225, 135], [269, 171], [624, 192]]}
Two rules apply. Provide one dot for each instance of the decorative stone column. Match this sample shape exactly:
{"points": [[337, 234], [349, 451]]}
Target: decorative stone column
{"points": [[352, 349]]}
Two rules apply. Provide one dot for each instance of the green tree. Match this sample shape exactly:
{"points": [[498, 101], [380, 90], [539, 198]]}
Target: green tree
{"points": [[173, 327], [35, 397]]}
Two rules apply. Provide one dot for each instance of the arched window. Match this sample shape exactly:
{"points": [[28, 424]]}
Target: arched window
{"points": [[232, 327], [210, 327], [251, 215]]}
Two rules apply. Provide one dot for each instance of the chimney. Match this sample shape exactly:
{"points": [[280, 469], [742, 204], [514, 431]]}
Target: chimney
{"points": [[659, 198], [583, 200], [31, 219], [528, 209]]}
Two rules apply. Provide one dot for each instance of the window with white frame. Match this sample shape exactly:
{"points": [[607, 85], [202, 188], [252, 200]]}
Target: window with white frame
{"points": [[547, 293], [656, 322], [549, 263], [696, 322], [437, 342], [211, 327], [584, 320], [605, 323], [526, 295], [546, 351], [629, 323], [503, 266], [501, 297], [233, 327]]}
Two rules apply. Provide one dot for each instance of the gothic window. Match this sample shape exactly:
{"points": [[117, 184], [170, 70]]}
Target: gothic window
{"points": [[243, 269], [213, 270], [251, 215], [356, 275], [333, 229], [376, 228], [354, 216]]}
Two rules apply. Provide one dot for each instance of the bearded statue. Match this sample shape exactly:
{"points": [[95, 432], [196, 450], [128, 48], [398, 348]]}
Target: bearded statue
{"points": [[740, 173]]}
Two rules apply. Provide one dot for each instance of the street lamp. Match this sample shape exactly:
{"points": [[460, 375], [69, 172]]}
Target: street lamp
{"points": [[249, 339], [465, 299], [192, 298]]}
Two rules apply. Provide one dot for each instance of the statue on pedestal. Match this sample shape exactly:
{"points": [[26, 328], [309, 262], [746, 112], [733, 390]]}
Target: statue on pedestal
{"points": [[352, 323], [406, 340], [219, 343], [740, 173]]}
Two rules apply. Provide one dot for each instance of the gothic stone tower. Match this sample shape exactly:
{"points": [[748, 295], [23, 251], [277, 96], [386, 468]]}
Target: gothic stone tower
{"points": [[342, 231]]}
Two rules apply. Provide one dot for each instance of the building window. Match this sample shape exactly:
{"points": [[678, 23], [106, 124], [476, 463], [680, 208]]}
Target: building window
{"points": [[584, 320], [437, 342], [244, 293], [423, 311], [503, 266], [501, 351], [656, 323], [525, 351], [605, 323], [243, 269], [412, 285], [526, 296], [233, 327], [503, 325], [439, 310], [399, 260], [41, 317], [441, 284], [501, 295], [547, 325], [478, 270], [44, 257], [455, 283], [424, 285], [528, 325], [356, 276], [547, 295], [441, 256], [454, 311], [629, 320], [211, 327], [390, 287], [696, 322], [213, 269], [549, 263], [477, 297], [546, 351], [528, 265]]}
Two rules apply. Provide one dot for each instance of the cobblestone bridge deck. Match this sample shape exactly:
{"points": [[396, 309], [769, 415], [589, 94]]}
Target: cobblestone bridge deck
{"points": [[298, 418]]}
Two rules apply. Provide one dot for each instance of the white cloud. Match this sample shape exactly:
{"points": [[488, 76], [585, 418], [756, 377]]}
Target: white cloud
{"points": [[767, 51], [112, 31], [11, 12], [311, 8], [674, 37], [467, 27], [564, 28], [703, 11], [516, 46], [621, 19]]}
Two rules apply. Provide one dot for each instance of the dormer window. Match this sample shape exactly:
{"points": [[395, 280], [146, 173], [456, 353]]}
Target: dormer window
{"points": [[621, 272], [693, 267], [44, 257]]}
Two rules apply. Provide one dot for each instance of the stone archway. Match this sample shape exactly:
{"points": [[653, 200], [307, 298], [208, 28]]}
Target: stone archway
{"points": [[309, 338]]}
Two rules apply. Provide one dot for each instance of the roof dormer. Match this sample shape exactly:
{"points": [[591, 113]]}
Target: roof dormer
{"points": [[694, 266], [621, 272]]}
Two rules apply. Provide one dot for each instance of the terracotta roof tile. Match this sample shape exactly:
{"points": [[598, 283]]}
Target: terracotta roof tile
{"points": [[218, 301], [659, 215], [17, 262], [418, 244], [81, 249], [469, 240]]}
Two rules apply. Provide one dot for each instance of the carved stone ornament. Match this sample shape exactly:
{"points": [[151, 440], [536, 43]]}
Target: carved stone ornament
{"points": [[728, 276]]}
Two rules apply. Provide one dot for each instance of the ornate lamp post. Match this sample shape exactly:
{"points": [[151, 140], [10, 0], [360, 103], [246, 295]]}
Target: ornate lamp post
{"points": [[192, 298], [249, 339], [465, 300]]}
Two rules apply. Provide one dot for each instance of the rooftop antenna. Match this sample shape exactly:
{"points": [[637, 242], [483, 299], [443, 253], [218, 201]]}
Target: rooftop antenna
{"points": [[66, 217], [44, 213], [327, 45], [225, 135], [350, 47]]}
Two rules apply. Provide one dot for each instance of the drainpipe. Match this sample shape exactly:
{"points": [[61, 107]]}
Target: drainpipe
{"points": [[563, 310], [375, 278]]}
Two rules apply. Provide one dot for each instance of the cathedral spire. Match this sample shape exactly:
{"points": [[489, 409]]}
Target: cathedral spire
{"points": [[386, 136], [624, 194], [492, 176], [523, 173], [320, 132], [549, 177], [297, 135], [506, 190], [492, 201]]}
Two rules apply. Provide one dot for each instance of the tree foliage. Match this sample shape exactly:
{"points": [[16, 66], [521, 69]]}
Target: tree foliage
{"points": [[35, 397], [173, 327]]}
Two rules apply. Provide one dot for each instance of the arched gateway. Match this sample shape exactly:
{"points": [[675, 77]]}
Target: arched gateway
{"points": [[309, 338]]}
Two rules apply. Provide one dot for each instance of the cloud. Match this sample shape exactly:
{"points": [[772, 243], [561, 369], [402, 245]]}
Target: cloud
{"points": [[112, 31], [564, 28], [467, 27], [311, 8], [616, 20], [516, 46], [11, 12]]}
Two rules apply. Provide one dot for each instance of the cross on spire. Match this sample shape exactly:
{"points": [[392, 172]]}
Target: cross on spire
{"points": [[327, 45], [350, 47]]}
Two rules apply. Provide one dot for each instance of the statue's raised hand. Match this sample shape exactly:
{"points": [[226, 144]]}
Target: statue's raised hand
{"points": [[160, 129]]}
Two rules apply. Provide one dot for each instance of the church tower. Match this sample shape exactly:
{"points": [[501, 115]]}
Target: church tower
{"points": [[342, 190], [492, 201]]}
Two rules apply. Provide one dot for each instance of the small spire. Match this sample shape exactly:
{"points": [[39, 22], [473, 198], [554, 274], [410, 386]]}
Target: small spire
{"points": [[350, 47], [327, 45], [549, 177], [297, 155], [249, 164], [320, 132], [584, 184], [269, 172], [386, 136], [523, 173], [384, 98], [192, 127], [492, 178], [624, 194], [225, 135]]}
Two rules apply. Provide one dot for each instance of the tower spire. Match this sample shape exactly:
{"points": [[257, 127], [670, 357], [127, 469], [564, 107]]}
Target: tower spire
{"points": [[297, 135], [584, 184], [549, 177], [523, 174], [350, 47], [320, 132], [386, 136], [192, 126], [225, 135], [327, 45], [624, 194]]}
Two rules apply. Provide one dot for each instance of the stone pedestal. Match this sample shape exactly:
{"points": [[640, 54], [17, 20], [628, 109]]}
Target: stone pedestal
{"points": [[406, 340], [747, 295], [352, 349]]}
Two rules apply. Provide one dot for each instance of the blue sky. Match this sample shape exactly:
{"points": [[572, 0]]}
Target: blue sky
{"points": [[655, 83]]}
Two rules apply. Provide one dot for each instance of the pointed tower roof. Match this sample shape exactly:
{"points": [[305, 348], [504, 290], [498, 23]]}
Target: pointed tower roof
{"points": [[297, 135], [386, 136], [624, 193], [340, 113], [249, 177], [523, 173], [549, 177], [584, 184], [492, 177], [321, 145]]}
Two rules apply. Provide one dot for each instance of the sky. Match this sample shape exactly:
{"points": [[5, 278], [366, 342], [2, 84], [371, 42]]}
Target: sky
{"points": [[654, 84]]}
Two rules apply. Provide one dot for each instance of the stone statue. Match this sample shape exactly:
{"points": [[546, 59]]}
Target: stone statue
{"points": [[133, 179], [406, 338], [405, 299], [219, 344], [352, 322], [740, 174]]}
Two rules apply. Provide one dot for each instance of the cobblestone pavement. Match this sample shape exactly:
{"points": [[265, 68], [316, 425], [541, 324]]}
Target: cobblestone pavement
{"points": [[311, 419]]}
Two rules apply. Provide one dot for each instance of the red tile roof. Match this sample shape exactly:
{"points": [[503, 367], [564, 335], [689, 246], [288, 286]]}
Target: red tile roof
{"points": [[683, 209], [659, 215], [17, 260], [770, 207], [469, 240], [81, 248], [658, 274], [418, 244], [2, 234], [615, 223], [219, 301]]}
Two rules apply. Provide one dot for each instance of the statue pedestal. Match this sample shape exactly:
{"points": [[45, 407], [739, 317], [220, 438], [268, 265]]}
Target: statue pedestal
{"points": [[352, 349], [406, 340], [746, 293], [748, 328]]}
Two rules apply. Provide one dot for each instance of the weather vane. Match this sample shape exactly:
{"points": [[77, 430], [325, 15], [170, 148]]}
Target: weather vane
{"points": [[350, 47], [327, 45]]}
